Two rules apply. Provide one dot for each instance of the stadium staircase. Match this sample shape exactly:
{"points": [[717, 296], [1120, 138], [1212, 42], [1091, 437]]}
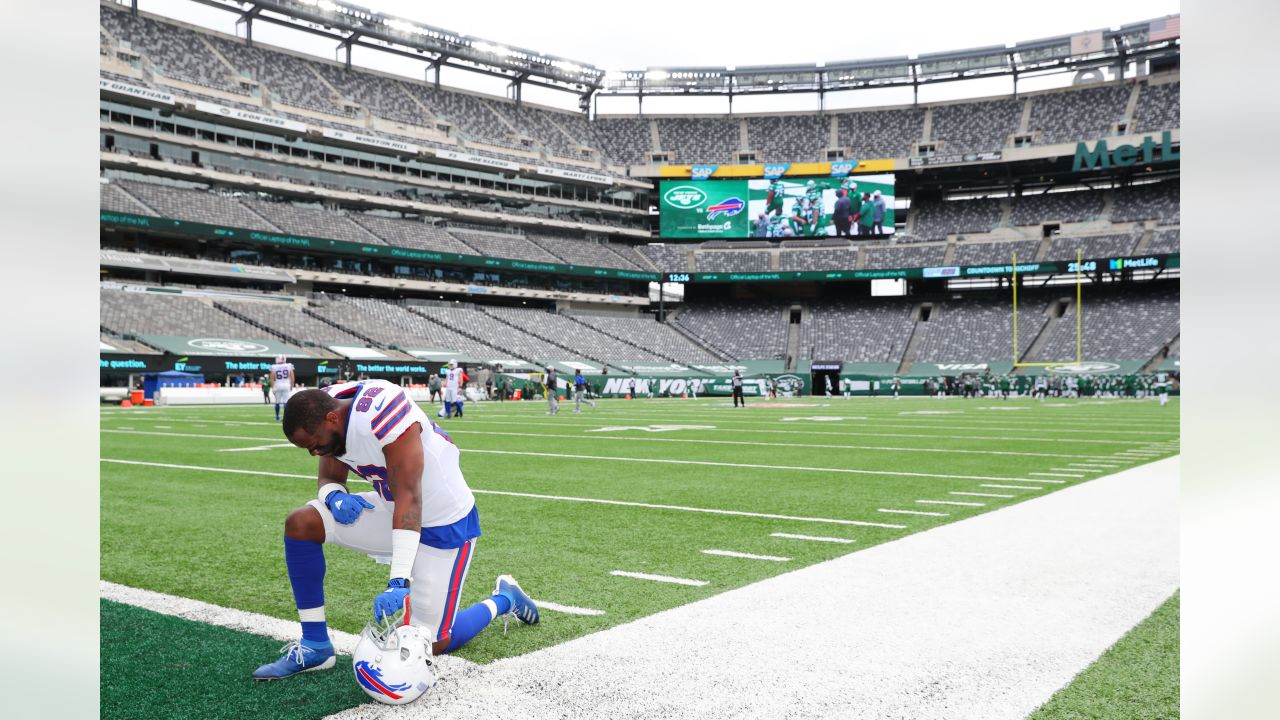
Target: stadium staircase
{"points": [[671, 316], [913, 343], [272, 332], [623, 340], [793, 335], [529, 331], [463, 332], [1144, 242], [1173, 348], [1056, 309]]}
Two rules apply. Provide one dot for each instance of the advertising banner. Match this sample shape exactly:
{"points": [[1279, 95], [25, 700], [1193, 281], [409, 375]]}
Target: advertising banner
{"points": [[709, 210], [211, 345]]}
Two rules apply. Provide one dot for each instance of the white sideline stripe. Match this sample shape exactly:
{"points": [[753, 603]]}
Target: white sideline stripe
{"points": [[665, 461], [1015, 487], [1054, 474], [913, 512], [951, 502], [658, 578], [814, 538], [748, 556], [598, 501], [284, 630], [978, 494], [568, 609]]}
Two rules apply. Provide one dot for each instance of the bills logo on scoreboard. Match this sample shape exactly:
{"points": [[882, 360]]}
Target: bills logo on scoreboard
{"points": [[728, 207]]}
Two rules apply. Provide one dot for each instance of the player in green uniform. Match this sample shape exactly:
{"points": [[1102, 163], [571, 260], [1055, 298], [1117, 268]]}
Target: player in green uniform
{"points": [[773, 203], [1004, 387], [813, 198], [800, 218]]}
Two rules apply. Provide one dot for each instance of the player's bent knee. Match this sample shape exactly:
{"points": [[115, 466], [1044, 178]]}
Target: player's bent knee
{"points": [[305, 523]]}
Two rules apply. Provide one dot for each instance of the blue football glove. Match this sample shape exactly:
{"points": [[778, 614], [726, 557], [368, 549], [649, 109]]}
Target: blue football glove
{"points": [[392, 600], [346, 508]]}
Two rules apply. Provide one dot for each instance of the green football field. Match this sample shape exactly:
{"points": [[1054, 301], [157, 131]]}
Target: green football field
{"points": [[194, 498]]}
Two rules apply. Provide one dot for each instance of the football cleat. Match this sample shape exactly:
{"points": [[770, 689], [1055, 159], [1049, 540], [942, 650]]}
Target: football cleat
{"points": [[522, 608], [298, 658]]}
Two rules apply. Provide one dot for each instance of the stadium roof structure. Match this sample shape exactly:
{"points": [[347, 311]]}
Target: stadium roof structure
{"points": [[353, 25]]}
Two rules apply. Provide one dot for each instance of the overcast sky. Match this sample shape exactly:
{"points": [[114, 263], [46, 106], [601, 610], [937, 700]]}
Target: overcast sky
{"points": [[629, 36]]}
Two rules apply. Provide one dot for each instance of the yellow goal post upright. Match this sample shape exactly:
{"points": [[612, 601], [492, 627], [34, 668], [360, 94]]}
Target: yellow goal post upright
{"points": [[1079, 324]]}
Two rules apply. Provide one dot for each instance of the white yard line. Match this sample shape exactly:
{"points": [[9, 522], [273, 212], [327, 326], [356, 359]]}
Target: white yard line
{"points": [[665, 461], [658, 578], [536, 496], [980, 494], [927, 625], [951, 502], [465, 431], [747, 556], [1055, 474], [1014, 487], [912, 512], [567, 609], [813, 538]]}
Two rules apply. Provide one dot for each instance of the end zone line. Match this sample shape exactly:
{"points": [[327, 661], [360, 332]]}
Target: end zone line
{"points": [[747, 556], [814, 538], [658, 578], [568, 498]]}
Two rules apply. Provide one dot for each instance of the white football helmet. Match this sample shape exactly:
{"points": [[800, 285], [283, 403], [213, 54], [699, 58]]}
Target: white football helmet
{"points": [[453, 364], [280, 360], [393, 664]]}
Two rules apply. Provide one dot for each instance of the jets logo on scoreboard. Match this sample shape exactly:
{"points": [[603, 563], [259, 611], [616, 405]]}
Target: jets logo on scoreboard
{"points": [[728, 207]]}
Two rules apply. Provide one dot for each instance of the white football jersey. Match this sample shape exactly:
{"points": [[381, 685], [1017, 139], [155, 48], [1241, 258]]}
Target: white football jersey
{"points": [[380, 412], [280, 375], [453, 380]]}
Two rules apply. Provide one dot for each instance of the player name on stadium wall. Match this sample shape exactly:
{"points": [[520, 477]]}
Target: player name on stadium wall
{"points": [[1147, 262], [343, 247]]}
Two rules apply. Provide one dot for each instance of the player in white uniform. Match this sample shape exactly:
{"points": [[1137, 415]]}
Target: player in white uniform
{"points": [[453, 390], [420, 515], [282, 381]]}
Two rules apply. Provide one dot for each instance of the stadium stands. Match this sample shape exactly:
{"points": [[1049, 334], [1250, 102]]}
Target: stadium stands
{"points": [[658, 338], [1165, 241], [293, 322], [173, 51], [1159, 107], [420, 234], [818, 259], [975, 126], [583, 340], [194, 205], [699, 140], [478, 324], [311, 220], [1158, 201], [732, 261], [667, 257], [1117, 324], [984, 253], [881, 133], [1058, 207], [502, 245], [980, 328], [746, 330], [392, 324], [582, 252], [935, 220], [1098, 246], [788, 138], [149, 313], [1078, 114], [874, 330], [904, 256]]}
